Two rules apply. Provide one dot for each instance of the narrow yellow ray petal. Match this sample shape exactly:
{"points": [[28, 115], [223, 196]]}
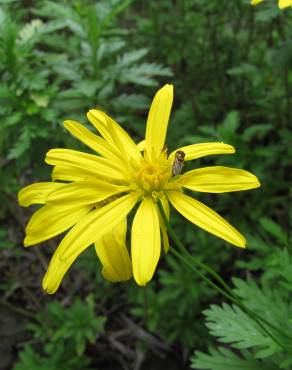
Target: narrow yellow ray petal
{"points": [[55, 273], [163, 228], [157, 120], [96, 224], [50, 221], [119, 136], [100, 124], [71, 173], [285, 3], [112, 251], [37, 193], [93, 165], [145, 241], [141, 145], [218, 179], [205, 217], [195, 151], [83, 192], [93, 141]]}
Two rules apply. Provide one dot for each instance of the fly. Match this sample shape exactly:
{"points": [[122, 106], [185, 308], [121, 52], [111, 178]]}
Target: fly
{"points": [[178, 162]]}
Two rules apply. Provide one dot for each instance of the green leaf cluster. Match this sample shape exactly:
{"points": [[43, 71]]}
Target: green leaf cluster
{"points": [[271, 301], [57, 62], [64, 333]]}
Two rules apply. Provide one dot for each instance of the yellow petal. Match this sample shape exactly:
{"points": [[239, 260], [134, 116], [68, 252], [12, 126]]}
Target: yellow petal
{"points": [[100, 124], [50, 221], [127, 146], [218, 179], [116, 260], [37, 193], [145, 241], [256, 2], [71, 173], [157, 121], [83, 192], [116, 135], [91, 164], [96, 224], [93, 141], [206, 218], [163, 228], [195, 151], [112, 251], [141, 145], [285, 3], [55, 273]]}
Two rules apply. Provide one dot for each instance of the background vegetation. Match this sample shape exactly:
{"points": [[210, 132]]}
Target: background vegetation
{"points": [[231, 67]]}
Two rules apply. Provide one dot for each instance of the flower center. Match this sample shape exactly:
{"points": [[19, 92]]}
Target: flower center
{"points": [[153, 174]]}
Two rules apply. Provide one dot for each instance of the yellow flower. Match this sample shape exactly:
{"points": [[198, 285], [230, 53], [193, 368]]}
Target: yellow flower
{"points": [[92, 195], [256, 2], [282, 3]]}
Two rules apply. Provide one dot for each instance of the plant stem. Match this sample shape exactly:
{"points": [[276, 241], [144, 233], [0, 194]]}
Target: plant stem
{"points": [[145, 301], [225, 290], [226, 295]]}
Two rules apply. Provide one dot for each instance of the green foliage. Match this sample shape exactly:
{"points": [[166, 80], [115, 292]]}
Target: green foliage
{"points": [[78, 324], [231, 325], [224, 359], [271, 254], [43, 83], [172, 311], [64, 333], [4, 242], [59, 359], [271, 301]]}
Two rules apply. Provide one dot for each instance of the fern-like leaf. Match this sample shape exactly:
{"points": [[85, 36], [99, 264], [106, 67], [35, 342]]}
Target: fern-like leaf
{"points": [[231, 325], [224, 359]]}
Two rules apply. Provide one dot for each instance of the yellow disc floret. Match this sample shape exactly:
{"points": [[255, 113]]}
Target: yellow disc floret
{"points": [[153, 174]]}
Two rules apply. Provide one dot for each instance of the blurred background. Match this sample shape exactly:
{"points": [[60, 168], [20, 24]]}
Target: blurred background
{"points": [[230, 64]]}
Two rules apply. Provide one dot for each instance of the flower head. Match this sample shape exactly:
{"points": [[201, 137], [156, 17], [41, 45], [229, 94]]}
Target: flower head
{"points": [[92, 195], [281, 3]]}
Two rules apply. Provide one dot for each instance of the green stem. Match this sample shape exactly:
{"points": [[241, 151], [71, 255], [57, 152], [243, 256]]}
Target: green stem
{"points": [[145, 301], [232, 295], [198, 263], [226, 295], [189, 260], [202, 276]]}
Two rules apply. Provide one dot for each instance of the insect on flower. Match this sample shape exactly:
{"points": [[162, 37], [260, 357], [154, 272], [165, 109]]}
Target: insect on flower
{"points": [[178, 162]]}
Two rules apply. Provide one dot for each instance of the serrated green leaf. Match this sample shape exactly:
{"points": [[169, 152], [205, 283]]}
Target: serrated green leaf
{"points": [[127, 59], [22, 144], [224, 359], [231, 325]]}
